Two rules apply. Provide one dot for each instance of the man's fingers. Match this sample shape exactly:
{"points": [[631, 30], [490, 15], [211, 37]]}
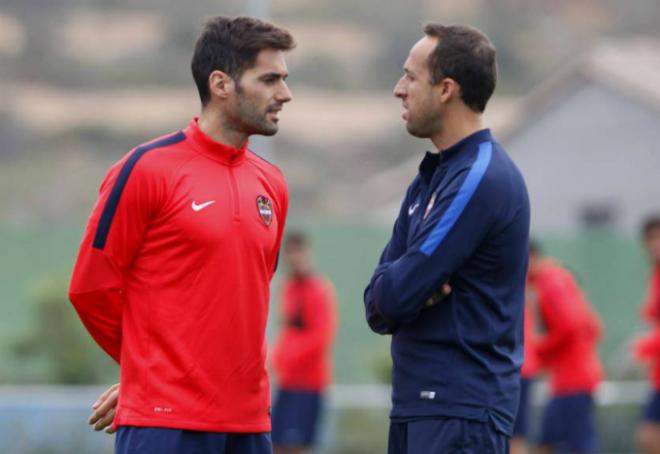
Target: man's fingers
{"points": [[105, 407], [104, 396], [105, 421], [95, 416], [438, 296]]}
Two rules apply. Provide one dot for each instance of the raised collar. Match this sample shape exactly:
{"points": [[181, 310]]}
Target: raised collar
{"points": [[215, 150], [470, 143]]}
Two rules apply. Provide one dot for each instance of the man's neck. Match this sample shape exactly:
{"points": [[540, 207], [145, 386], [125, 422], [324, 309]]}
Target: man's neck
{"points": [[455, 128], [214, 126]]}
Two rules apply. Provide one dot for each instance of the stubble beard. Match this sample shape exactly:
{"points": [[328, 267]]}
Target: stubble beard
{"points": [[247, 117], [425, 127]]}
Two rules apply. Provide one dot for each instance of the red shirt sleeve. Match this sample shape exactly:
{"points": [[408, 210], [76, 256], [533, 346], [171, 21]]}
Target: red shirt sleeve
{"points": [[647, 347], [111, 240], [320, 321], [560, 311]]}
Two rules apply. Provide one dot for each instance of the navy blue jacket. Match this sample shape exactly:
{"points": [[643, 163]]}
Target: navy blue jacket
{"points": [[464, 220]]}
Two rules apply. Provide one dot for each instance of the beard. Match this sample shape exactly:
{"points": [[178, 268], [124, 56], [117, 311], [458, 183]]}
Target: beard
{"points": [[250, 118]]}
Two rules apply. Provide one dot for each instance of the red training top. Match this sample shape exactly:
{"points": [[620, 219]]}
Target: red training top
{"points": [[567, 348], [172, 281], [531, 364], [302, 353], [647, 348]]}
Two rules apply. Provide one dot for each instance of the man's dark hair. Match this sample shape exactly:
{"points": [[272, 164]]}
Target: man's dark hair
{"points": [[466, 55], [232, 46], [650, 224], [295, 239]]}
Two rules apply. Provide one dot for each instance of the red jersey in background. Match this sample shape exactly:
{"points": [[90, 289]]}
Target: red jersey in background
{"points": [[302, 353], [647, 348], [570, 331]]}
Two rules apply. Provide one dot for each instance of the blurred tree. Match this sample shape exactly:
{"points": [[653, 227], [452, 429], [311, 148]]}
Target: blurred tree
{"points": [[55, 347]]}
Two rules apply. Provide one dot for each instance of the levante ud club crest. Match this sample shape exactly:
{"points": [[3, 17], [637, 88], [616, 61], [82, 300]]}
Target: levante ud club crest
{"points": [[265, 208]]}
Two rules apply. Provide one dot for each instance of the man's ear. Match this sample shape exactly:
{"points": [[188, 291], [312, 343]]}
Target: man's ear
{"points": [[220, 84], [449, 89]]}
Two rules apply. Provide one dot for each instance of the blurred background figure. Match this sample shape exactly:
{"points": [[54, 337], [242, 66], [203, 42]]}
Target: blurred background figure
{"points": [[647, 348], [530, 369], [566, 347], [302, 356]]}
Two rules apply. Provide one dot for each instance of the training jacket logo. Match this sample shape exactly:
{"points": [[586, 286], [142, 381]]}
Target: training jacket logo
{"points": [[429, 207], [412, 208], [265, 208], [201, 206]]}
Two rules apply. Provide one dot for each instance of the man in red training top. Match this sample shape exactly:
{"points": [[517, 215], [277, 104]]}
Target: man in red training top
{"points": [[172, 278], [302, 356], [566, 347], [528, 373], [647, 349]]}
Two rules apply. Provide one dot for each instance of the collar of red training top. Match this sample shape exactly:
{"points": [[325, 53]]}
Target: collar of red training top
{"points": [[214, 150]]}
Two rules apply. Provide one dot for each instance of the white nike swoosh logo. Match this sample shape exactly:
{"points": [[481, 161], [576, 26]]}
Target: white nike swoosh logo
{"points": [[412, 209], [201, 206]]}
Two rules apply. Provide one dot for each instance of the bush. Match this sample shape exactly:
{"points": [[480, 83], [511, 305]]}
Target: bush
{"points": [[55, 347]]}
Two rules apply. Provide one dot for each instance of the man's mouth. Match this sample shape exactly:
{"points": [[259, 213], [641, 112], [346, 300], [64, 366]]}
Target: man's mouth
{"points": [[274, 111]]}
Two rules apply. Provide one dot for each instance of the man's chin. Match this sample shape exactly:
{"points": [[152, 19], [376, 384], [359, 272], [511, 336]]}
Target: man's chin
{"points": [[416, 132], [266, 130]]}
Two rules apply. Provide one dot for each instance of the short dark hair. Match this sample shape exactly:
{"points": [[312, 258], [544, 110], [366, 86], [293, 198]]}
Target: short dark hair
{"points": [[466, 55], [295, 239], [650, 224], [232, 45]]}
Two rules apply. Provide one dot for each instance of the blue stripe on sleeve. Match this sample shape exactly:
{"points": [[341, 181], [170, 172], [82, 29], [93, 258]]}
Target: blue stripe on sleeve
{"points": [[110, 207], [461, 200]]}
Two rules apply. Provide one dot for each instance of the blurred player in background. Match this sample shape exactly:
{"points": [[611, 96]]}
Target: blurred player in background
{"points": [[520, 439], [302, 356], [569, 331], [647, 349]]}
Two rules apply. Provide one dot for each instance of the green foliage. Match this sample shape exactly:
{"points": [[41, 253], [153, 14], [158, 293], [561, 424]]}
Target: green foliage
{"points": [[56, 348]]}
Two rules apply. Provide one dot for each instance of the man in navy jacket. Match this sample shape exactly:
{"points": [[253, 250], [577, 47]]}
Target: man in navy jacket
{"points": [[464, 222]]}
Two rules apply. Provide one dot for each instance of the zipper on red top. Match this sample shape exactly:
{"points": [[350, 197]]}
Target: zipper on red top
{"points": [[236, 208]]}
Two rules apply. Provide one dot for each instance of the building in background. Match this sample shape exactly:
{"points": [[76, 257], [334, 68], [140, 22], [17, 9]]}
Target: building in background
{"points": [[588, 141]]}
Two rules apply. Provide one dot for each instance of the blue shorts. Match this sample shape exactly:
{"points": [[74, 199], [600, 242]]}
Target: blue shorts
{"points": [[295, 418], [521, 426], [446, 435], [152, 440], [652, 411], [569, 424]]}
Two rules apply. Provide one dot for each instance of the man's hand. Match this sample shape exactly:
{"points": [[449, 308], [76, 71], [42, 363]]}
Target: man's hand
{"points": [[104, 410], [439, 295]]}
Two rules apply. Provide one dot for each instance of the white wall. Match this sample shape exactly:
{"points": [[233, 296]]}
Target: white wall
{"points": [[595, 145]]}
